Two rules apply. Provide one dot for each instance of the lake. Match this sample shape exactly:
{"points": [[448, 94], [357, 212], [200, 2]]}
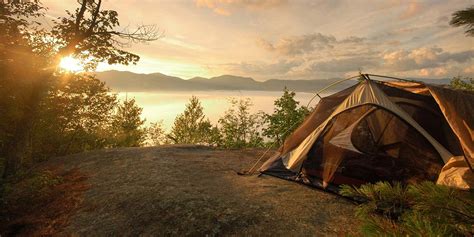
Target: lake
{"points": [[165, 106]]}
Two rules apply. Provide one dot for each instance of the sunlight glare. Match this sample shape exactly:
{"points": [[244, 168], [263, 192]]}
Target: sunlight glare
{"points": [[71, 64]]}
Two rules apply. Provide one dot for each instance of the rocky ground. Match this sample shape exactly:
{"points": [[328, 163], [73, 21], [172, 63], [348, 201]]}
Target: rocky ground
{"points": [[190, 190]]}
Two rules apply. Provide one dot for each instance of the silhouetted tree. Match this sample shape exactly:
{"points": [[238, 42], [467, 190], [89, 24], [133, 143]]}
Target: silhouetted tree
{"points": [[75, 116], [464, 18], [29, 57]]}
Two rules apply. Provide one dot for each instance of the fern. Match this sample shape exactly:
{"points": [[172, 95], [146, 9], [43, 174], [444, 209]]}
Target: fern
{"points": [[423, 209], [385, 198]]}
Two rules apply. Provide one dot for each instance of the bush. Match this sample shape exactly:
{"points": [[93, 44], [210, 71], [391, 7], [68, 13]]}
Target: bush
{"points": [[156, 134], [423, 209], [23, 188], [238, 127], [462, 83]]}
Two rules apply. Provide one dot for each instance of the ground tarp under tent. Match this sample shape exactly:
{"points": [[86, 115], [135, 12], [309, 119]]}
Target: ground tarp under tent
{"points": [[382, 131]]}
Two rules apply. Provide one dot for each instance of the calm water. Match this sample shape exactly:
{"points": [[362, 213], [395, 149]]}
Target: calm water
{"points": [[166, 106]]}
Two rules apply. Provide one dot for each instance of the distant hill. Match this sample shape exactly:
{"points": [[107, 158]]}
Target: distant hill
{"points": [[129, 81]]}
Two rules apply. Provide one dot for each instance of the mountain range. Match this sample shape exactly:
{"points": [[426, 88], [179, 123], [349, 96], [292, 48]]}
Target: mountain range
{"points": [[136, 82]]}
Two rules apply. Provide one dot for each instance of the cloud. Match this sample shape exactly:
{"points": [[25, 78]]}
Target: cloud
{"points": [[353, 39], [222, 7], [423, 58], [278, 68], [469, 70], [345, 64], [444, 71], [413, 9], [303, 44]]}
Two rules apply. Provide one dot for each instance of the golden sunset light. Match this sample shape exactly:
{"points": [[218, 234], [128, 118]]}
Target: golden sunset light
{"points": [[71, 64], [236, 118]]}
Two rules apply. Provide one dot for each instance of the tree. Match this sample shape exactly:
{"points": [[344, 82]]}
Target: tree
{"points": [[462, 83], [285, 118], [127, 125], [192, 126], [156, 134], [75, 116], [239, 128], [31, 55], [19, 67], [464, 18]]}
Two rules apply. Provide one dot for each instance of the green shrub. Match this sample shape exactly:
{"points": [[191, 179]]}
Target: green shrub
{"points": [[423, 209], [23, 187]]}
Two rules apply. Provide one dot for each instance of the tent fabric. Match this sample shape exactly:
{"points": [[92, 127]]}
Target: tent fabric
{"points": [[412, 87], [457, 107], [392, 130], [323, 110], [457, 174], [365, 93]]}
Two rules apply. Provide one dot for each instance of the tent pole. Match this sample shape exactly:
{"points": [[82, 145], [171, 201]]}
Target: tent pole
{"points": [[396, 78], [329, 86]]}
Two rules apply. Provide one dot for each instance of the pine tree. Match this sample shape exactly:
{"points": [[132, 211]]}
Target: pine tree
{"points": [[127, 125], [192, 126]]}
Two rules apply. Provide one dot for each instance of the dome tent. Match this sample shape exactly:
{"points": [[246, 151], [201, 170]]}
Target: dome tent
{"points": [[401, 131]]}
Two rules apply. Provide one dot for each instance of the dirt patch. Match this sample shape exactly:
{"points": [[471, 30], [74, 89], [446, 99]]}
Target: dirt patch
{"points": [[189, 190], [42, 203]]}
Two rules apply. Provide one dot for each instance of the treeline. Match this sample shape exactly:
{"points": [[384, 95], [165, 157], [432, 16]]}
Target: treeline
{"points": [[77, 114], [80, 113], [237, 128]]}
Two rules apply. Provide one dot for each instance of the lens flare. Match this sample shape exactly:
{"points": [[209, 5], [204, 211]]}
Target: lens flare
{"points": [[71, 64]]}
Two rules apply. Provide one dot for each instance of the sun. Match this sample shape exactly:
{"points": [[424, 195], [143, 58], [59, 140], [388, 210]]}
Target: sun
{"points": [[71, 64]]}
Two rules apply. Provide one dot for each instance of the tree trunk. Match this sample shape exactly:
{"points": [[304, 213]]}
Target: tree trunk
{"points": [[17, 149]]}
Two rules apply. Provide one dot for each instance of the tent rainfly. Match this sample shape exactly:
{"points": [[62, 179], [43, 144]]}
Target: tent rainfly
{"points": [[382, 131]]}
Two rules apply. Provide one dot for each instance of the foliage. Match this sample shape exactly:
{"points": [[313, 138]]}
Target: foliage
{"points": [[19, 68], [285, 118], [464, 18], [462, 83], [29, 57], [28, 185], [192, 126], [80, 113], [156, 134], [423, 209], [238, 127], [75, 116], [127, 125]]}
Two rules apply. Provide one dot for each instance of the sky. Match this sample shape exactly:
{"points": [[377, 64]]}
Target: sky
{"points": [[295, 39]]}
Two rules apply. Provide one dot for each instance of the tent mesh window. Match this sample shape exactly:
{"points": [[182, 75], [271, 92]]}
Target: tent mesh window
{"points": [[433, 121], [370, 144], [426, 112]]}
